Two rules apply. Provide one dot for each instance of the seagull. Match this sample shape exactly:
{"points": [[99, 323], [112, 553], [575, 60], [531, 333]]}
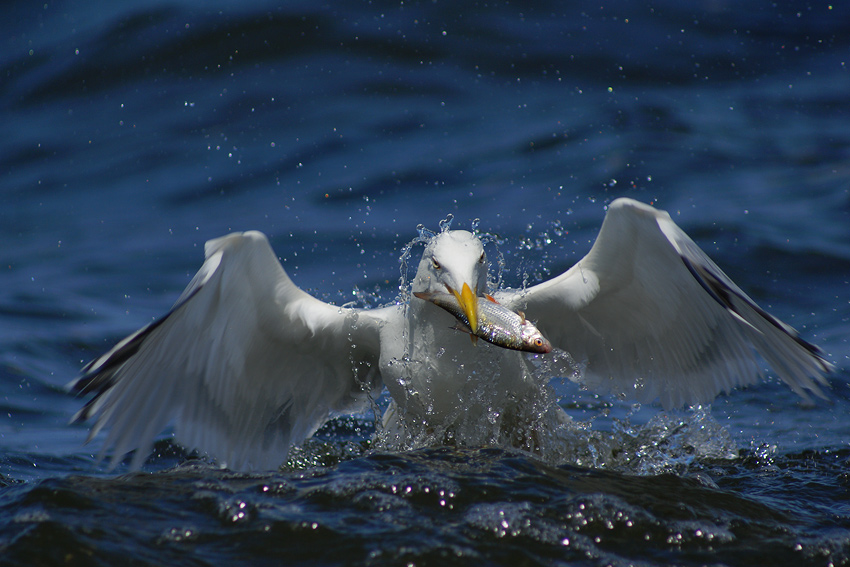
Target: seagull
{"points": [[247, 365]]}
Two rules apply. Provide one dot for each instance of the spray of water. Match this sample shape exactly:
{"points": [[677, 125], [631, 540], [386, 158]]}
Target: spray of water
{"points": [[535, 424]]}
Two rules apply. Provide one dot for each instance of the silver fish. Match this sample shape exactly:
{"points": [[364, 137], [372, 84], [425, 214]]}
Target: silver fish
{"points": [[496, 323]]}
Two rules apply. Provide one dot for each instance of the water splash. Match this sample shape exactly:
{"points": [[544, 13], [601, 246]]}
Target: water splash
{"points": [[363, 299], [524, 423], [536, 424], [668, 443], [446, 223], [424, 236], [490, 240]]}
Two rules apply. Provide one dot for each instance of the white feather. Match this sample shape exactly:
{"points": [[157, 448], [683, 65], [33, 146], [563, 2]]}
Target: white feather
{"points": [[245, 364], [654, 318]]}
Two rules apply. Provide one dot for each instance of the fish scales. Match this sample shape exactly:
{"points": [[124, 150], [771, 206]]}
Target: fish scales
{"points": [[496, 323]]}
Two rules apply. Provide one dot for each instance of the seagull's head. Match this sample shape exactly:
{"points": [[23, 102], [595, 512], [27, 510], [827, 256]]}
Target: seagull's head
{"points": [[454, 261]]}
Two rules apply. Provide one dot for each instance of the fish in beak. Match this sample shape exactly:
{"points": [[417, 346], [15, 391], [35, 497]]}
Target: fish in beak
{"points": [[496, 323], [469, 303]]}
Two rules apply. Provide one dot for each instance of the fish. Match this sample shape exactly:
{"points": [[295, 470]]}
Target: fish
{"points": [[496, 323]]}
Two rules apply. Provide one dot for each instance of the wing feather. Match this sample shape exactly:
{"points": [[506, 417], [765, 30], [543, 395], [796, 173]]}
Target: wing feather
{"points": [[244, 365], [653, 317]]}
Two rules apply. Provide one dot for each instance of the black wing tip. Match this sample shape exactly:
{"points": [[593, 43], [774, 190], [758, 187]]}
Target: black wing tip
{"points": [[98, 375], [709, 282], [94, 381], [84, 413], [98, 382], [724, 295], [79, 385]]}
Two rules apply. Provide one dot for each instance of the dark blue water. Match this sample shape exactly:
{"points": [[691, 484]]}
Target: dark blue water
{"points": [[134, 131]]}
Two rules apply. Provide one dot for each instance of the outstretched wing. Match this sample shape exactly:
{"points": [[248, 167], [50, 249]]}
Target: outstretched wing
{"points": [[654, 318], [244, 365]]}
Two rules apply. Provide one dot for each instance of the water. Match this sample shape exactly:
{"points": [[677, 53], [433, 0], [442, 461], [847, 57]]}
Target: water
{"points": [[133, 132]]}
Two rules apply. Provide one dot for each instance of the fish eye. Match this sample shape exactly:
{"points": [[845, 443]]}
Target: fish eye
{"points": [[538, 342], [437, 265]]}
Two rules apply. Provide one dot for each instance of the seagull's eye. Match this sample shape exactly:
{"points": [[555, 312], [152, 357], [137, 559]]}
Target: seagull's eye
{"points": [[482, 258], [437, 265]]}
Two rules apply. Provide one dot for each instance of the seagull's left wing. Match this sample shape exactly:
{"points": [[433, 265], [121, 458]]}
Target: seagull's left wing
{"points": [[653, 317], [244, 365]]}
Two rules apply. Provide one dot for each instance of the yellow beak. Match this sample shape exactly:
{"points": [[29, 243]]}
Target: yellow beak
{"points": [[469, 303]]}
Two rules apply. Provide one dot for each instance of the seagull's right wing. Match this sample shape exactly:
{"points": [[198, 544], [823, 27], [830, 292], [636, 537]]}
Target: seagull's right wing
{"points": [[244, 365]]}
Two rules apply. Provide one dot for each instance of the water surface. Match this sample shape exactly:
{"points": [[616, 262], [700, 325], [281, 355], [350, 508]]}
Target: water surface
{"points": [[136, 131]]}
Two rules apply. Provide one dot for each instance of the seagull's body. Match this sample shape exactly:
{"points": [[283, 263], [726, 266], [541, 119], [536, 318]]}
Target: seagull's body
{"points": [[246, 364]]}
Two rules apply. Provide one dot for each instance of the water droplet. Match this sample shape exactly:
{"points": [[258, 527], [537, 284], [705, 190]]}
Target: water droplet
{"points": [[446, 223]]}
